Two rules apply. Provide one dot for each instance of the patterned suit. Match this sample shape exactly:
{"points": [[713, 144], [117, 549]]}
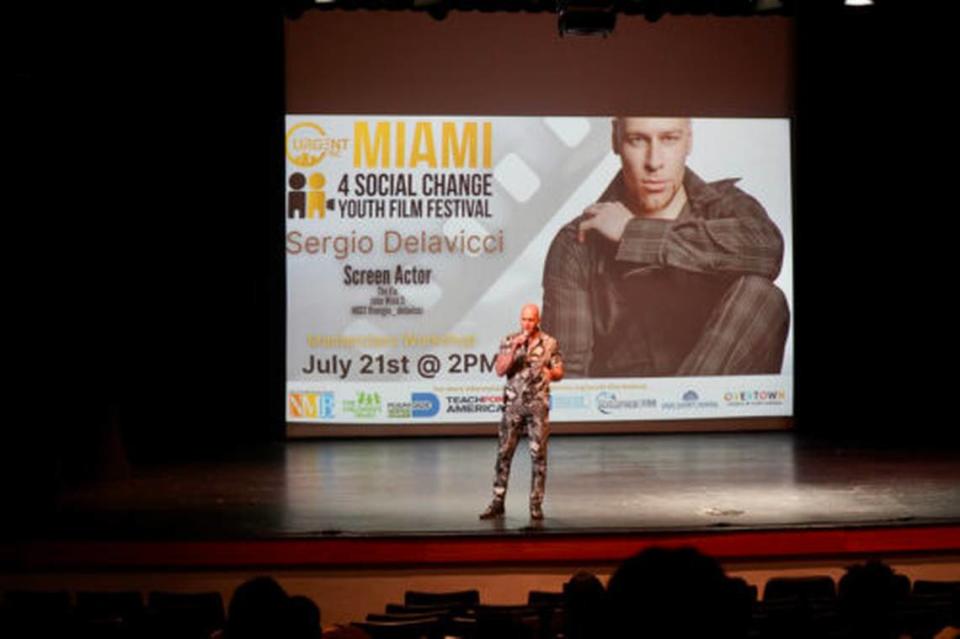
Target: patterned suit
{"points": [[526, 398], [690, 296]]}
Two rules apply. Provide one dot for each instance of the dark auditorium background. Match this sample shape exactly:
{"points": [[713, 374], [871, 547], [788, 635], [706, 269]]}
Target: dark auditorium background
{"points": [[121, 267]]}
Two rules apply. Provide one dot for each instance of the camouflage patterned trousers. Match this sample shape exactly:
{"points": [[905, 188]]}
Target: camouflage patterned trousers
{"points": [[517, 416]]}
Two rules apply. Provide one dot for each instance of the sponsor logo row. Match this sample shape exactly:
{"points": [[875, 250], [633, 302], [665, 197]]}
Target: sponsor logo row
{"points": [[425, 405], [363, 405]]}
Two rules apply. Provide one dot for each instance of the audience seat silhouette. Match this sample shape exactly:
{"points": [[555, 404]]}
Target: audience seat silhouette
{"points": [[438, 609], [195, 614], [444, 618], [55, 602], [461, 597], [552, 607], [544, 598], [929, 587], [29, 613], [657, 593], [932, 606], [819, 587], [407, 616], [497, 621], [115, 615], [422, 628]]}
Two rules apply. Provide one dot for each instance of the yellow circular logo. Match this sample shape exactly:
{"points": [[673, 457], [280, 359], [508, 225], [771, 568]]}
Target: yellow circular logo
{"points": [[306, 144]]}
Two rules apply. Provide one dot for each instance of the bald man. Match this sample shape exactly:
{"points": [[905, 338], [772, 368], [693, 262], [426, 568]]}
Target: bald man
{"points": [[666, 275], [530, 360]]}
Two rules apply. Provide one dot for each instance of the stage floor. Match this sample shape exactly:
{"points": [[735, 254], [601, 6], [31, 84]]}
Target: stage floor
{"points": [[623, 484]]}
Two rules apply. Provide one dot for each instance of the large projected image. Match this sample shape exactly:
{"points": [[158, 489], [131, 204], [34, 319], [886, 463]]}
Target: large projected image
{"points": [[658, 248]]}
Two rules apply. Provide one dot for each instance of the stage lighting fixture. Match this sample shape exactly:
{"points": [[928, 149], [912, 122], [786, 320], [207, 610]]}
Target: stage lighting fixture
{"points": [[586, 18], [436, 9]]}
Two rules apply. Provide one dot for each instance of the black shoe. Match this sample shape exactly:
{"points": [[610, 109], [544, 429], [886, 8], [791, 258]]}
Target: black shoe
{"points": [[493, 511], [536, 512]]}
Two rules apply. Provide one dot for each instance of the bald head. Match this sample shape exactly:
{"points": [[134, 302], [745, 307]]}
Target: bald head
{"points": [[530, 318]]}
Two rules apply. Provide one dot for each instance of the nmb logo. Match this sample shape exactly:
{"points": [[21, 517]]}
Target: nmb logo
{"points": [[311, 405]]}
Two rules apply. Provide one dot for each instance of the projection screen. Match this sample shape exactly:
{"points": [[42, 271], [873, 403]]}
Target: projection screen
{"points": [[412, 240]]}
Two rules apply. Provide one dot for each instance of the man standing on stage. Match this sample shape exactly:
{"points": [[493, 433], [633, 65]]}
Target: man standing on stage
{"points": [[531, 360]]}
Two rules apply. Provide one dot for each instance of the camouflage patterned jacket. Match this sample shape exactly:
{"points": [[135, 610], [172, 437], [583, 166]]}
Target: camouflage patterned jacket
{"points": [[526, 381]]}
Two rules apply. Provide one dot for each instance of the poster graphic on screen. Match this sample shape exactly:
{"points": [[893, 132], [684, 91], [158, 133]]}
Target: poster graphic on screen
{"points": [[659, 250]]}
